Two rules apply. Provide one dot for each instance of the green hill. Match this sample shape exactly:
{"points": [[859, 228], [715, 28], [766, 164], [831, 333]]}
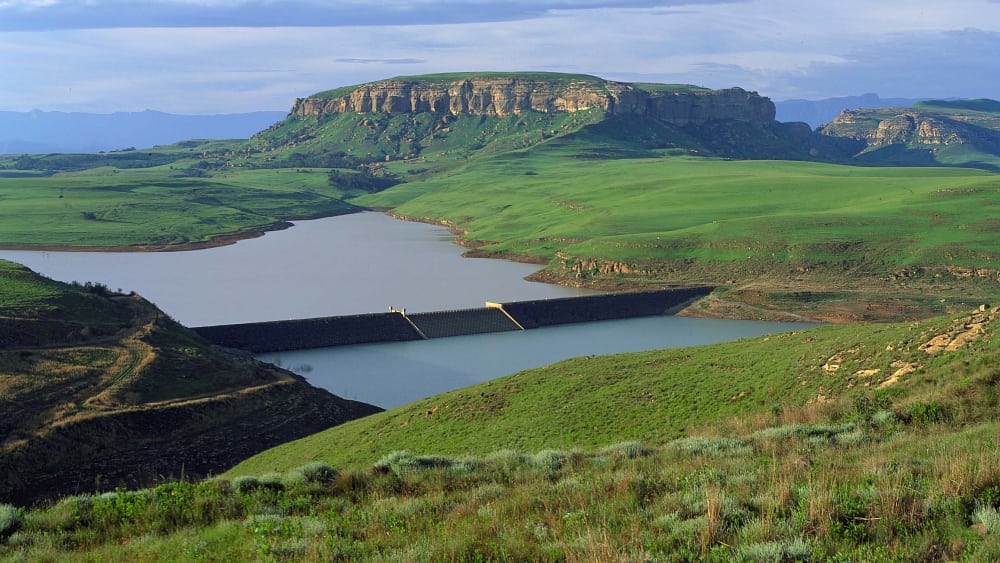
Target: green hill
{"points": [[100, 389], [829, 241], [873, 443]]}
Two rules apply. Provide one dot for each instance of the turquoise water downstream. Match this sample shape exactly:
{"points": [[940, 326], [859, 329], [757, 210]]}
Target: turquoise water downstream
{"points": [[396, 373]]}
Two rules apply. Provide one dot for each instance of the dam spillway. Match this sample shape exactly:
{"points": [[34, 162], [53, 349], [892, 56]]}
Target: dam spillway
{"points": [[397, 325]]}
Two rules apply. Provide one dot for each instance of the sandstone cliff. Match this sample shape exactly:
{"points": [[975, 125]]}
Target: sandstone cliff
{"points": [[513, 95], [912, 127]]}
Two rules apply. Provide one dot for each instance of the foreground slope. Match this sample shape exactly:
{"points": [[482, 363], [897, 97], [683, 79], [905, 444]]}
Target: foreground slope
{"points": [[859, 443], [660, 395], [100, 389]]}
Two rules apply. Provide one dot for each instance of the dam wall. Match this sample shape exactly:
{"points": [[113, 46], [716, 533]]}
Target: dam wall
{"points": [[302, 334], [566, 310], [397, 325], [442, 324]]}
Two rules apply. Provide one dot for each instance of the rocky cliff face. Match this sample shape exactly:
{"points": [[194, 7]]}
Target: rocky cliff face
{"points": [[503, 96], [888, 126]]}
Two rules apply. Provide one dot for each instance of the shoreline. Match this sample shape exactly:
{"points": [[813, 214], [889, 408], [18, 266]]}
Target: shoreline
{"points": [[215, 241], [712, 306]]}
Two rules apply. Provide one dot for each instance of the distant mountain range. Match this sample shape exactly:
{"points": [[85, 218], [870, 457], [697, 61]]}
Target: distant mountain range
{"points": [[61, 132], [820, 112]]}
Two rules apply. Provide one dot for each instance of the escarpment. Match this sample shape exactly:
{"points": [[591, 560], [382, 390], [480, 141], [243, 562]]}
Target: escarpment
{"points": [[500, 96], [904, 126]]}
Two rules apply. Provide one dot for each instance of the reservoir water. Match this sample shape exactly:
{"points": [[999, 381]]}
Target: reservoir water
{"points": [[395, 373], [365, 263], [352, 264]]}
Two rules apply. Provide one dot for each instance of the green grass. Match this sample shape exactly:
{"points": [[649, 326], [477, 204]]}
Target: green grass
{"points": [[111, 207], [708, 220], [863, 477], [669, 88]]}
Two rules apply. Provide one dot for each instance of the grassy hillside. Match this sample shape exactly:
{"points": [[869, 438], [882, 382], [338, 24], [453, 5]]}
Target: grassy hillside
{"points": [[896, 237], [658, 396], [100, 389], [181, 195], [871, 443]]}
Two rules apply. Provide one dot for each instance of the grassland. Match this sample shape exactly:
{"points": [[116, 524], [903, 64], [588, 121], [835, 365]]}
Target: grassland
{"points": [[185, 194], [861, 242], [797, 450], [877, 235]]}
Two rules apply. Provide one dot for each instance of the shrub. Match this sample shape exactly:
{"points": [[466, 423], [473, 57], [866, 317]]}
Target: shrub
{"points": [[508, 459], [317, 472], [711, 446], [988, 516], [927, 413], [884, 418], [778, 432], [272, 481], [788, 550], [398, 462], [853, 438], [627, 450], [10, 519], [245, 484], [549, 460]]}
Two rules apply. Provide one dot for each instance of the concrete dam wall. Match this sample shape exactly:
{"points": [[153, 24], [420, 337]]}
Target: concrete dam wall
{"points": [[397, 325]]}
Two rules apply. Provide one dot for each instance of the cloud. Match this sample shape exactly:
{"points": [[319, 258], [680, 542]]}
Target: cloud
{"points": [[382, 61], [39, 15], [780, 48]]}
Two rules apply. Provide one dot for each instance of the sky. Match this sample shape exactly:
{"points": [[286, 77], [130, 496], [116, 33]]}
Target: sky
{"points": [[230, 56]]}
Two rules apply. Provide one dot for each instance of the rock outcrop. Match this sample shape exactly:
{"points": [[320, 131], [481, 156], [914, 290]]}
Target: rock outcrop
{"points": [[511, 95], [906, 126]]}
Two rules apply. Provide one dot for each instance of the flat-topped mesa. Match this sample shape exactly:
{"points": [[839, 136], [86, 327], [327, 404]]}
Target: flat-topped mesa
{"points": [[503, 95]]}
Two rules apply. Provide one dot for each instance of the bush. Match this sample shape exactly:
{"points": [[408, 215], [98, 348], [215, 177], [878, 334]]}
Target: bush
{"points": [[627, 450], [272, 481], [711, 446], [788, 550], [317, 472], [398, 462], [927, 413], [245, 484], [989, 517], [549, 460], [10, 519]]}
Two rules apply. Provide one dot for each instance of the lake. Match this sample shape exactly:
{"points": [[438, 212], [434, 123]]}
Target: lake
{"points": [[346, 265], [364, 263]]}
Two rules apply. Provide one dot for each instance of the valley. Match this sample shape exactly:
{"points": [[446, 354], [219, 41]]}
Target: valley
{"points": [[863, 441]]}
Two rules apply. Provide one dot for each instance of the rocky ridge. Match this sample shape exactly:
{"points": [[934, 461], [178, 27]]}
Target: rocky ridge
{"points": [[912, 127], [500, 96]]}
